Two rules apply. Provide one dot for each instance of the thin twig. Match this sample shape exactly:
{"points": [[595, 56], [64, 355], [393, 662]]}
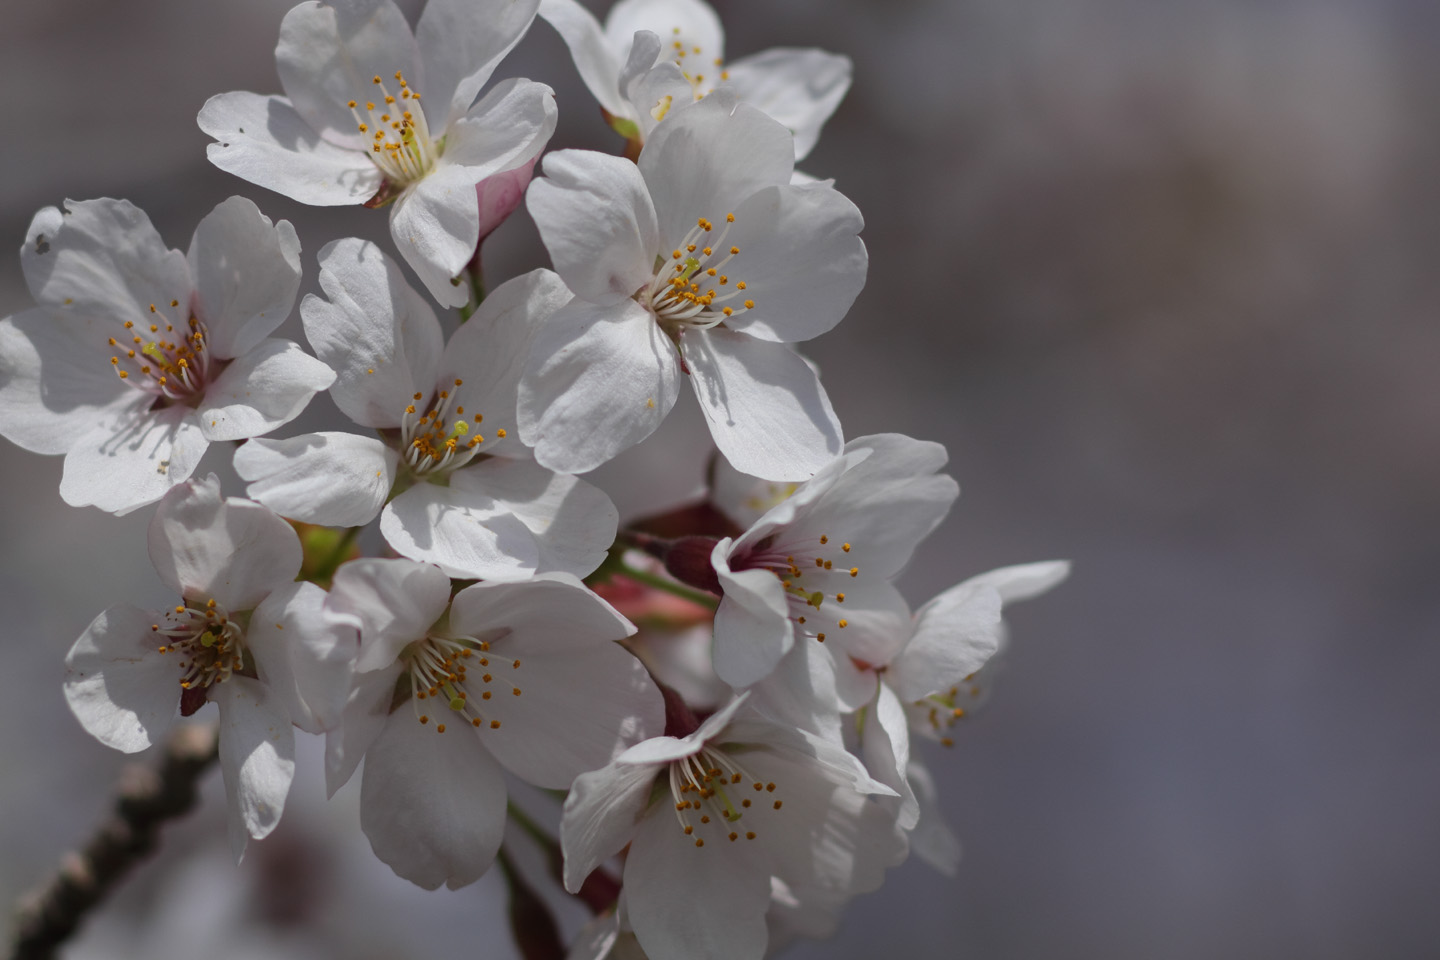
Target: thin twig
{"points": [[147, 798]]}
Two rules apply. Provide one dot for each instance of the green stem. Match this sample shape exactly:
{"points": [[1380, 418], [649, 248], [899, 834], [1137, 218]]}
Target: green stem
{"points": [[476, 280], [536, 832], [669, 586]]}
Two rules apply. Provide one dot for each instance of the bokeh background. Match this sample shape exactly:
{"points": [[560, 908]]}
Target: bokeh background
{"points": [[1162, 275]]}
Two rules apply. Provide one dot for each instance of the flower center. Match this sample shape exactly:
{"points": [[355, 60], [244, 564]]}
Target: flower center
{"points": [[810, 578], [701, 71], [210, 644], [711, 796], [941, 711], [439, 670], [400, 139], [157, 359], [440, 439], [689, 289]]}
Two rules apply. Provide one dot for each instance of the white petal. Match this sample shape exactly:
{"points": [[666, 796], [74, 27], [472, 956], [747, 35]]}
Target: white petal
{"points": [[690, 22], [131, 457], [704, 162], [391, 603], [264, 389], [246, 272], [885, 748], [700, 903], [800, 691], [595, 216], [366, 711], [436, 226], [765, 406], [597, 62], [333, 479], [647, 93], [601, 813], [462, 42], [377, 333], [955, 634], [503, 520], [257, 758], [877, 621], [264, 141], [752, 623], [598, 381], [800, 258], [231, 550], [120, 687], [329, 54], [1024, 581], [583, 698], [932, 839], [490, 350], [432, 804], [799, 87], [54, 380], [103, 259], [509, 126], [303, 658]]}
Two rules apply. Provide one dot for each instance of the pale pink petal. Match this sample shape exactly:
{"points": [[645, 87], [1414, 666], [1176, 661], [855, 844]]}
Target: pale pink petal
{"points": [[799, 87], [391, 603], [264, 389], [229, 550], [333, 479], [376, 332], [765, 407], [595, 216], [885, 748], [691, 23], [264, 141], [124, 692], [597, 62], [432, 804], [752, 624], [599, 380], [461, 43], [257, 758], [131, 457], [246, 272], [366, 711], [955, 634], [601, 813], [329, 54], [436, 226], [303, 658]]}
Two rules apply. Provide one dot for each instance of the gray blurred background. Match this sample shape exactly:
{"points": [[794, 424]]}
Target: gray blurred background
{"points": [[1160, 274]]}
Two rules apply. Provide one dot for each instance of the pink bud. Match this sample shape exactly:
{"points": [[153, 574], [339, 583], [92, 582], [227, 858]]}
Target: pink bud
{"points": [[501, 194]]}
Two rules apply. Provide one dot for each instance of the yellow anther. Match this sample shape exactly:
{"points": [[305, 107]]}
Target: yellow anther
{"points": [[734, 250], [845, 547], [820, 637], [500, 432], [749, 304], [854, 571], [494, 724], [844, 624], [439, 728]]}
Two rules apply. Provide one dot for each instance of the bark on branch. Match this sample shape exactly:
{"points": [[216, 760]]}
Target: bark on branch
{"points": [[146, 799]]}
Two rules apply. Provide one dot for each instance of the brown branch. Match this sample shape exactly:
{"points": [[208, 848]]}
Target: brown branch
{"points": [[146, 799]]}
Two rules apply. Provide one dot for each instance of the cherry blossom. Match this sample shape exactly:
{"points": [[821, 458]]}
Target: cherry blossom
{"points": [[701, 261], [351, 128], [243, 635], [798, 87], [139, 356], [524, 677], [711, 817], [473, 500]]}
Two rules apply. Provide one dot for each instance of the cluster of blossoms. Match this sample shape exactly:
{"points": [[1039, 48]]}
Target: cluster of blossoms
{"points": [[744, 761]]}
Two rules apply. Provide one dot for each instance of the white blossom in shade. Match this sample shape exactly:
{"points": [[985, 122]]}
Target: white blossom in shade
{"points": [[819, 564], [138, 356], [699, 261], [798, 87], [244, 635], [476, 504], [352, 128], [711, 818], [920, 679], [525, 677]]}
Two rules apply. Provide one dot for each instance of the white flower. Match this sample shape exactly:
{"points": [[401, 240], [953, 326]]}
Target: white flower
{"points": [[712, 817], [478, 506], [798, 87], [351, 128], [702, 259], [819, 564], [278, 665], [920, 678], [138, 356], [524, 677]]}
